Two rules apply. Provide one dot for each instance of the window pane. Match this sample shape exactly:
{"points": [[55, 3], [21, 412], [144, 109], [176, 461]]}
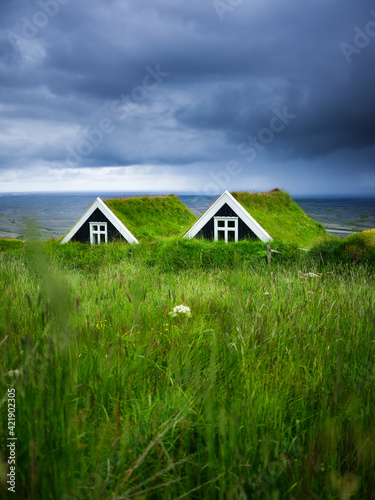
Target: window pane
{"points": [[231, 236], [102, 227], [231, 223], [94, 227], [221, 223], [221, 235]]}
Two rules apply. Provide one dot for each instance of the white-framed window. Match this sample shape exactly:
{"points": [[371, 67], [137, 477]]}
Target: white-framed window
{"points": [[226, 229], [98, 233]]}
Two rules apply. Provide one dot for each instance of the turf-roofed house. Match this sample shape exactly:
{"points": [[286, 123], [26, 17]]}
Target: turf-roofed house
{"points": [[227, 220], [131, 220], [99, 225], [257, 216]]}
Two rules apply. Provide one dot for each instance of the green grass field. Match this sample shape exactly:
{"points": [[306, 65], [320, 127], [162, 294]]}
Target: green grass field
{"points": [[266, 391]]}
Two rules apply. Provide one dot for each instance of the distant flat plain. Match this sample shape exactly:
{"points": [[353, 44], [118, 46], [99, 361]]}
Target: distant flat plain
{"points": [[54, 213]]}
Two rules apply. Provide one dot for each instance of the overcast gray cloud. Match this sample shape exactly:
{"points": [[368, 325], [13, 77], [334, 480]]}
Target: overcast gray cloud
{"points": [[181, 91]]}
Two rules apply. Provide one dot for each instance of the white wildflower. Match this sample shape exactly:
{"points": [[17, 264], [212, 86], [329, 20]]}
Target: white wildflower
{"points": [[309, 275], [181, 310]]}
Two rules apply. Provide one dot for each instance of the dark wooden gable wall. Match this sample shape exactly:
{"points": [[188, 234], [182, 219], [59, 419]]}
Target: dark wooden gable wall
{"points": [[83, 233], [244, 231]]}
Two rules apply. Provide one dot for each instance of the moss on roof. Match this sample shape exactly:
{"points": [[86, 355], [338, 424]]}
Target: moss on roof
{"points": [[150, 217], [281, 217]]}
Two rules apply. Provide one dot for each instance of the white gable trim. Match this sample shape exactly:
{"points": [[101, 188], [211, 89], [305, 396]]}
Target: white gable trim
{"points": [[243, 214], [98, 203]]}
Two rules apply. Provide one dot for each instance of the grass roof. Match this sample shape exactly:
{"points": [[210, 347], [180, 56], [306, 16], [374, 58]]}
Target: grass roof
{"points": [[150, 217], [281, 217]]}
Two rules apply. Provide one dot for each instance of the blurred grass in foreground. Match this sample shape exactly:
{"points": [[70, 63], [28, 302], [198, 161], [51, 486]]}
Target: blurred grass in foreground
{"points": [[267, 391]]}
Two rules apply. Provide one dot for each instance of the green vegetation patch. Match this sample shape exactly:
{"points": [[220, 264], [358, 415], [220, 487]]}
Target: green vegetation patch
{"points": [[8, 244], [170, 254], [150, 217], [361, 246], [176, 254], [86, 257], [281, 217], [356, 248]]}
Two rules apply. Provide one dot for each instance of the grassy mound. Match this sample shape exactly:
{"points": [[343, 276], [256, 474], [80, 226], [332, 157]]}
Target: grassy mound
{"points": [[356, 248], [8, 244], [175, 254], [281, 217], [169, 254], [361, 246], [151, 217]]}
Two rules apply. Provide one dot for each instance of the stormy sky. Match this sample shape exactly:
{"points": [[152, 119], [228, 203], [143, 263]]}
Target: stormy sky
{"points": [[197, 96]]}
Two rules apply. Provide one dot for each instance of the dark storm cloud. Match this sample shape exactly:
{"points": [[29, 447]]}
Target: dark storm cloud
{"points": [[66, 66]]}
